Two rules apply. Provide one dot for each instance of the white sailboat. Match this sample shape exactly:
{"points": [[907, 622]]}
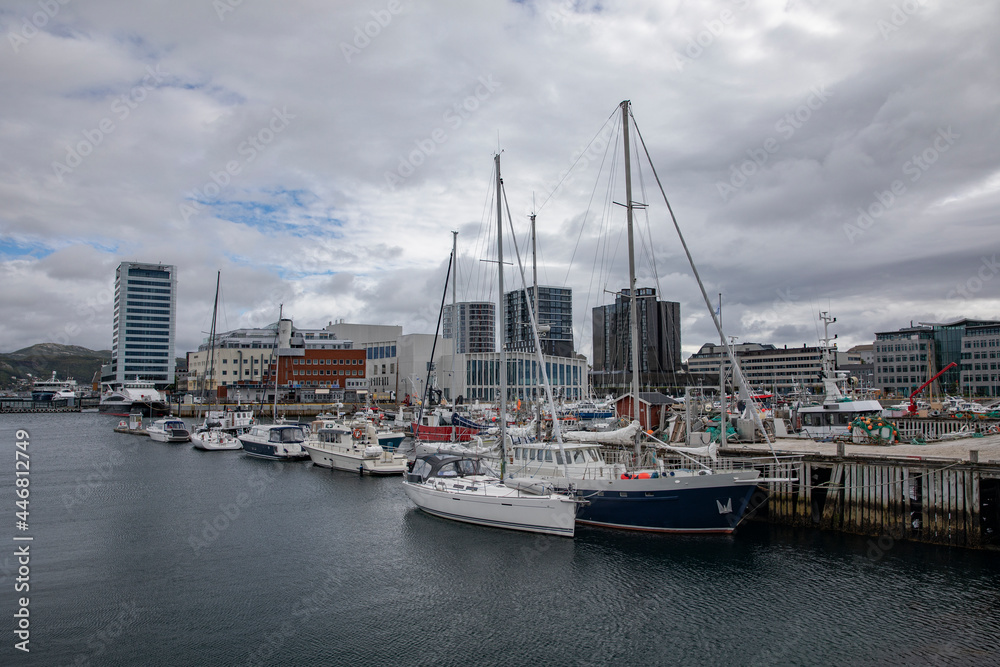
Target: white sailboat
{"points": [[210, 436], [465, 489]]}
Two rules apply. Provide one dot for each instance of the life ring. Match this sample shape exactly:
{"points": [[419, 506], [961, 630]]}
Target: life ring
{"points": [[123, 424], [358, 433]]}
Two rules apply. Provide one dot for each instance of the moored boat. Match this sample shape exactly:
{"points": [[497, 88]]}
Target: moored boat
{"points": [[281, 442], [169, 429], [467, 490], [334, 445]]}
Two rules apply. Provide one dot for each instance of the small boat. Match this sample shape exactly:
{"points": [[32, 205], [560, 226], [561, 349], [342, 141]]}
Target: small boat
{"points": [[169, 429], [280, 442], [467, 490], [334, 445], [214, 438]]}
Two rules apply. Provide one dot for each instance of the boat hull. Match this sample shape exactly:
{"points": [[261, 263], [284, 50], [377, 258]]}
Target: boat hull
{"points": [[697, 504], [124, 409], [547, 515], [212, 443], [270, 452], [443, 433], [387, 464]]}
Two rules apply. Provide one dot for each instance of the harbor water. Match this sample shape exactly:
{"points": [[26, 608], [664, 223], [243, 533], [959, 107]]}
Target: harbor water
{"points": [[146, 553]]}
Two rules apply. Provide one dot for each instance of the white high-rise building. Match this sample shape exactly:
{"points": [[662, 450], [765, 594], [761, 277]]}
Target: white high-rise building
{"points": [[142, 345]]}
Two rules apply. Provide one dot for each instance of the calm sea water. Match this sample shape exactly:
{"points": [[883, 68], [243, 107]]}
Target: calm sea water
{"points": [[153, 554]]}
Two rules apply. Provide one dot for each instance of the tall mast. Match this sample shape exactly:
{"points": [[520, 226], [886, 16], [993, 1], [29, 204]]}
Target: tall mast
{"points": [[633, 297], [503, 323], [454, 311], [211, 337]]}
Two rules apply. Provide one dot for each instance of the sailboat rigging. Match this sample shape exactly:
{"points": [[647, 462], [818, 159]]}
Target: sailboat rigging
{"points": [[211, 436], [464, 488]]}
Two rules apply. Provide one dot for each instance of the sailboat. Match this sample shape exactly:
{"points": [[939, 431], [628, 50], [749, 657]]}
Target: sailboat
{"points": [[692, 496], [466, 489], [210, 436]]}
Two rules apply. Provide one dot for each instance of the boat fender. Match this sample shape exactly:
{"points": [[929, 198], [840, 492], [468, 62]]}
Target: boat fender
{"points": [[625, 475]]}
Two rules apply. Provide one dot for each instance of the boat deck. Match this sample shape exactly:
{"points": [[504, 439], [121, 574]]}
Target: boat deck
{"points": [[987, 447]]}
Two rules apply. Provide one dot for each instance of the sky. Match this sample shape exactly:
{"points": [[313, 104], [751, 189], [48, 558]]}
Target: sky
{"points": [[818, 156]]}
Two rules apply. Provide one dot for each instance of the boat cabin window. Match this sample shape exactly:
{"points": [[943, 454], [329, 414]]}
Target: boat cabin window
{"points": [[548, 455], [448, 470], [422, 468], [577, 456], [285, 435], [559, 458]]}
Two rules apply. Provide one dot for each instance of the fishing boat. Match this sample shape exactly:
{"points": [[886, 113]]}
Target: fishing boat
{"points": [[833, 417], [465, 489], [168, 429], [211, 436], [331, 444]]}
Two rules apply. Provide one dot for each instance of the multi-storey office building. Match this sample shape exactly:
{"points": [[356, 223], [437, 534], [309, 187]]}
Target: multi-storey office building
{"points": [[980, 360], [472, 324], [764, 366], [142, 344], [554, 315], [659, 340]]}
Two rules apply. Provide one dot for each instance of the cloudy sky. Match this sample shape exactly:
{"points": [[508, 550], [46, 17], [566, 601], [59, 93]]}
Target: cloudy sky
{"points": [[837, 156]]}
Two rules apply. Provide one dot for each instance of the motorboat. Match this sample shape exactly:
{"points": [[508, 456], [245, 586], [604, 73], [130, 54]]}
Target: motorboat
{"points": [[331, 444], [281, 442], [468, 490], [122, 398], [168, 429]]}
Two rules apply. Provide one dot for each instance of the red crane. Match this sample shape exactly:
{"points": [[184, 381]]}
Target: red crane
{"points": [[912, 410]]}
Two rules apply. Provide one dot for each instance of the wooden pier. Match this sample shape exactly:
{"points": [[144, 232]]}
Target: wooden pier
{"points": [[941, 494]]}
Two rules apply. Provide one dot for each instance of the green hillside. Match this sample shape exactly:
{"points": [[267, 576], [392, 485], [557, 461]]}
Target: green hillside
{"points": [[68, 361]]}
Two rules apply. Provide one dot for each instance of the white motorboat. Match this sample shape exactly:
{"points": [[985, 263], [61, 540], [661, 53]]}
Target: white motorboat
{"points": [[467, 490], [132, 395], [281, 442], [169, 429], [334, 445]]}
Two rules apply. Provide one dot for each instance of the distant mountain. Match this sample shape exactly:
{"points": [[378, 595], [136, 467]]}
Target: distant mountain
{"points": [[68, 361]]}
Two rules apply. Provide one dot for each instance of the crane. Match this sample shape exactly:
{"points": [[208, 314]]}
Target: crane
{"points": [[912, 409]]}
